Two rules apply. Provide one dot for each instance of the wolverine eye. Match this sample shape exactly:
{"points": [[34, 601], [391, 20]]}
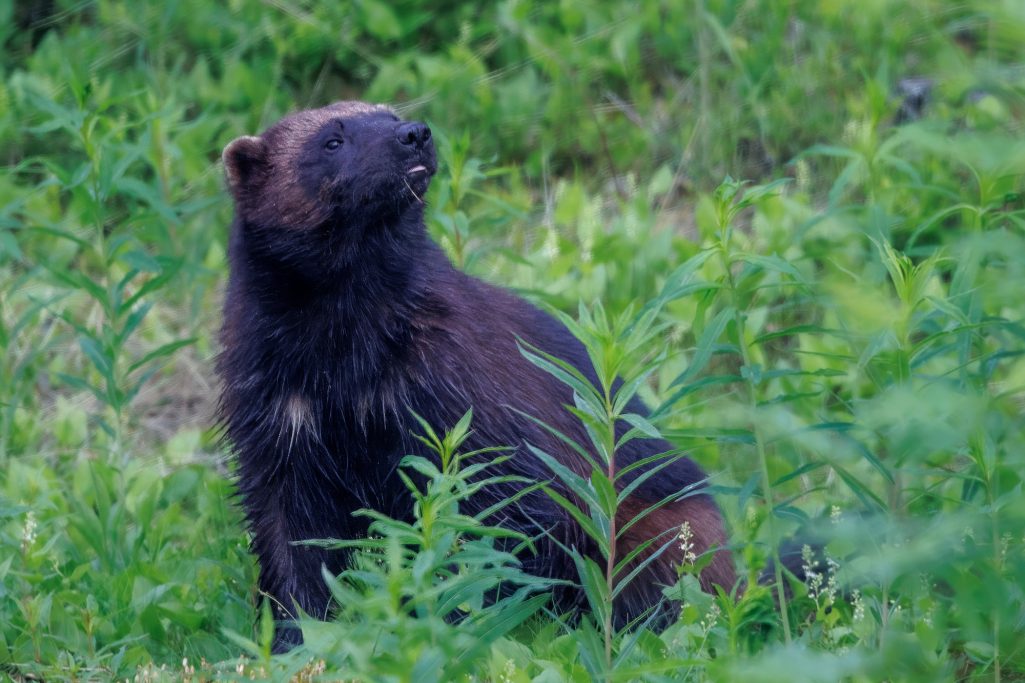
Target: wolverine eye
{"points": [[333, 144]]}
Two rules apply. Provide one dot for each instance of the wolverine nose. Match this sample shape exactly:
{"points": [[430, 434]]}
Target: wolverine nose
{"points": [[413, 133]]}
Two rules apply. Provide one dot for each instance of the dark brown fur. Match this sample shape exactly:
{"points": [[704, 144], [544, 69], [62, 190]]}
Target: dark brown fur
{"points": [[342, 316]]}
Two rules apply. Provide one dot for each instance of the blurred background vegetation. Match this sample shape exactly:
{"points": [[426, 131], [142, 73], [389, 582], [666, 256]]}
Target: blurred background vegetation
{"points": [[846, 354]]}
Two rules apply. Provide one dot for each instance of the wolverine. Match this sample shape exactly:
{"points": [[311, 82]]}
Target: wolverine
{"points": [[343, 319]]}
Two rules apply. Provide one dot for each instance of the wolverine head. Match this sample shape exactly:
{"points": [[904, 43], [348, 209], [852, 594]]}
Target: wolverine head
{"points": [[349, 166]]}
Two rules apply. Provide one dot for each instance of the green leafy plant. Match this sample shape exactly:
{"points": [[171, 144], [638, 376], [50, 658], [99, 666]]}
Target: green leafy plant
{"points": [[430, 598], [843, 353], [613, 346]]}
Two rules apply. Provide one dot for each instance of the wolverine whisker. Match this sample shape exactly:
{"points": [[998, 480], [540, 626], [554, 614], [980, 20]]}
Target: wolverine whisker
{"points": [[412, 191]]}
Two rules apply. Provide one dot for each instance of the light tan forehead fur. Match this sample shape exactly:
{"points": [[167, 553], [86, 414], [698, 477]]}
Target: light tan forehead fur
{"points": [[295, 128]]}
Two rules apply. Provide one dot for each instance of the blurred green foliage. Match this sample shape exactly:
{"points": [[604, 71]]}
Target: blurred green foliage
{"points": [[843, 350]]}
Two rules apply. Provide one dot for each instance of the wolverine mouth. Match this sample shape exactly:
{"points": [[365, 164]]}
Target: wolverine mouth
{"points": [[420, 168]]}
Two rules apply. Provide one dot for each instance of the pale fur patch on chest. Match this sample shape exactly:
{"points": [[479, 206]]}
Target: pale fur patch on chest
{"points": [[297, 418]]}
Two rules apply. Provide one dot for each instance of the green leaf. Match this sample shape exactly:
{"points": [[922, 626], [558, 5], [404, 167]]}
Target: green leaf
{"points": [[831, 151], [169, 268], [643, 425], [246, 644], [95, 352], [772, 263], [756, 193], [624, 582], [680, 282], [380, 20], [706, 345], [63, 234], [131, 323], [851, 173], [504, 618], [676, 496], [149, 194], [79, 281], [649, 472], [604, 493], [690, 388], [592, 581], [141, 261], [798, 329], [576, 483], [585, 522], [869, 499], [577, 448], [800, 471], [160, 352], [564, 372]]}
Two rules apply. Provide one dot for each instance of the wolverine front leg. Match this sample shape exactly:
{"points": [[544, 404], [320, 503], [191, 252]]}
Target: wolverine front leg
{"points": [[291, 575]]}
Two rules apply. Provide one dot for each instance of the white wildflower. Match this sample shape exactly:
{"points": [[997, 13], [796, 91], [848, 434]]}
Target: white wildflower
{"points": [[28, 532], [831, 586], [855, 132], [550, 248], [859, 606], [711, 619], [803, 173], [686, 544], [508, 671], [812, 577]]}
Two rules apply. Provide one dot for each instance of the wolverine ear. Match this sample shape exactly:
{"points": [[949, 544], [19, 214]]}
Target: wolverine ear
{"points": [[243, 157]]}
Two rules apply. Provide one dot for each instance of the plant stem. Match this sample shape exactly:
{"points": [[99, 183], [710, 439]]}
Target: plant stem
{"points": [[704, 76], [763, 459], [996, 612], [990, 477], [610, 560]]}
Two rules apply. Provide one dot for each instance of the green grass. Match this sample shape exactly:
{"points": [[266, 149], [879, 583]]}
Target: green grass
{"points": [[844, 350]]}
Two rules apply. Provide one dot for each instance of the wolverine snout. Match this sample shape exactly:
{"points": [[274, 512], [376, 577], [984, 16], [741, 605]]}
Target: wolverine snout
{"points": [[413, 134]]}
